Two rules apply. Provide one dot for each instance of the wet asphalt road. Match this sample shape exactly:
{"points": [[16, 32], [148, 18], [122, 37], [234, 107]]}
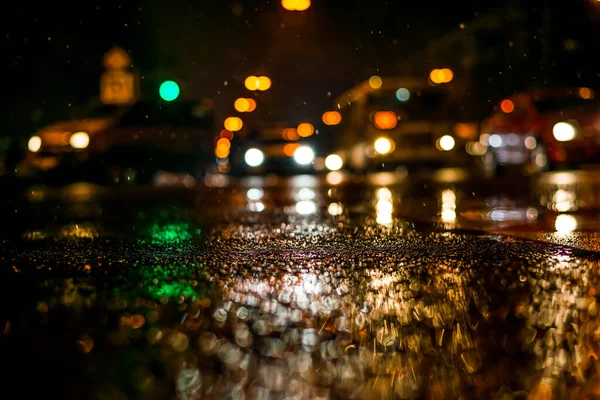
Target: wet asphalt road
{"points": [[337, 287]]}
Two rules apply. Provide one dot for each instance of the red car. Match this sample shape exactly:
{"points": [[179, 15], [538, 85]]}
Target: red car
{"points": [[545, 129]]}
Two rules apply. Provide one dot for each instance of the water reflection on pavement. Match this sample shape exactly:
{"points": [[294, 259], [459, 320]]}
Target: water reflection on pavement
{"points": [[298, 291]]}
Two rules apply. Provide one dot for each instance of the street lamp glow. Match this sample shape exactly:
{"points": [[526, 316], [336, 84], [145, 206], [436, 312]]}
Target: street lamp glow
{"points": [[333, 162], [446, 143], [169, 90], [79, 140], [242, 105], [35, 144], [383, 145]]}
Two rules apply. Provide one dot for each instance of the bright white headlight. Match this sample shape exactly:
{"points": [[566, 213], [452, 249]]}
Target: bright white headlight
{"points": [[564, 131], [304, 155], [254, 157]]}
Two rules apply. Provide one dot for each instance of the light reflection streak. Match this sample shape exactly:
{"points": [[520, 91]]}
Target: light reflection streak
{"points": [[448, 210]]}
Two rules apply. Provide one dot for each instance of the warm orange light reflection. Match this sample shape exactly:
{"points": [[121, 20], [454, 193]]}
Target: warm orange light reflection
{"points": [[241, 105], [385, 120], [305, 129], [290, 134], [252, 105], [233, 124], [332, 118], [585, 93], [264, 83], [507, 106], [295, 5], [290, 148], [251, 82]]}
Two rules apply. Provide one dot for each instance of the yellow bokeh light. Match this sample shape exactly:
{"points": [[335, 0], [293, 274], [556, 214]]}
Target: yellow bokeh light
{"points": [[439, 76], [296, 5], [233, 124], [241, 105], [375, 82], [332, 118], [251, 82], [264, 83], [305, 129]]}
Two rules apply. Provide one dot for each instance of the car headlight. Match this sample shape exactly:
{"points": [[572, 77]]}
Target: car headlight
{"points": [[79, 140], [333, 162], [254, 157], [304, 155], [564, 131], [384, 145], [35, 144]]}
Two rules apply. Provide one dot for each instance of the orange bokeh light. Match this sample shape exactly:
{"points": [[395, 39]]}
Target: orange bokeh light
{"points": [[332, 118], [252, 105], [223, 144], [439, 76], [290, 148], [305, 129], [385, 120], [585, 93], [233, 124], [290, 134], [221, 153], [507, 106]]}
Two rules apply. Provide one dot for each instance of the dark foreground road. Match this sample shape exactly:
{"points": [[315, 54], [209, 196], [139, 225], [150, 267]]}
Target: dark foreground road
{"points": [[298, 289]]}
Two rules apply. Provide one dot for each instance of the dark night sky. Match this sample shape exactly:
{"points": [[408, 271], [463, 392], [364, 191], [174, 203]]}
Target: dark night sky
{"points": [[53, 51]]}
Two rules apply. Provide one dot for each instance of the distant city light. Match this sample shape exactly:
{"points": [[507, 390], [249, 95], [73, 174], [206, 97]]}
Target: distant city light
{"points": [[169, 90]]}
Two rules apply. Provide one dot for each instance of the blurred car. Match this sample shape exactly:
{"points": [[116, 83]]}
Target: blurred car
{"points": [[544, 129], [274, 150], [406, 122], [124, 143]]}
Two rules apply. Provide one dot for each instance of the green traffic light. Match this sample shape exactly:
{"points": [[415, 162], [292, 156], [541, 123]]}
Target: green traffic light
{"points": [[169, 90]]}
